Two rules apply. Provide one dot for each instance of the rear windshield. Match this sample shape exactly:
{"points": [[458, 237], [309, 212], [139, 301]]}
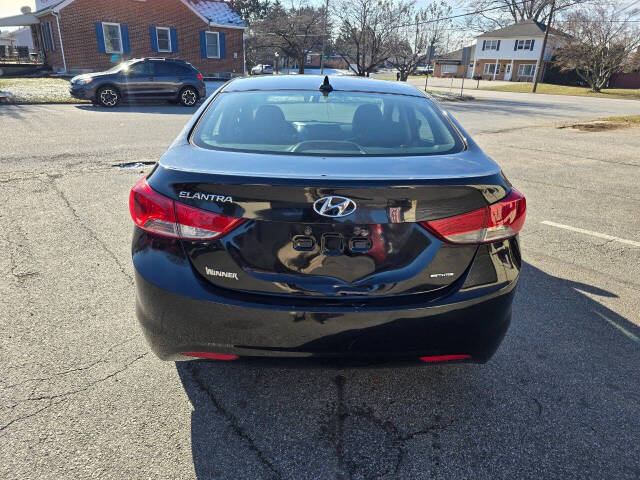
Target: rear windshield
{"points": [[340, 123]]}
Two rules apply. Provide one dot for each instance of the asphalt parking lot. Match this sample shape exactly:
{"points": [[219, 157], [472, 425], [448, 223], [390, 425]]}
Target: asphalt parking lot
{"points": [[81, 396]]}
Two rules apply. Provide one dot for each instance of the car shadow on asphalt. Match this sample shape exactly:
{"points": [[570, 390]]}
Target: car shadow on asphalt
{"points": [[557, 395], [142, 107]]}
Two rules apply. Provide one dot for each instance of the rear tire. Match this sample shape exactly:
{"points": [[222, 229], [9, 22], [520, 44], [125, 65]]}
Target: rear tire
{"points": [[108, 96], [188, 96]]}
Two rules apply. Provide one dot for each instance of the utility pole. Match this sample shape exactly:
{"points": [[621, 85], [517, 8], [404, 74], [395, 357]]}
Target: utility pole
{"points": [[324, 36], [544, 47]]}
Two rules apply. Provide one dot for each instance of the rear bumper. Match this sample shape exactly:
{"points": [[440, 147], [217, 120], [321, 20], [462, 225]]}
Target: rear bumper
{"points": [[173, 324], [179, 312]]}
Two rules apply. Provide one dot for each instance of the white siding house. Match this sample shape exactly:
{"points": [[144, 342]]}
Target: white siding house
{"points": [[512, 53]]}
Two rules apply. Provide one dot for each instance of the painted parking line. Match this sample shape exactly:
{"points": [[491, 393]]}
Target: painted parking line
{"points": [[619, 327], [593, 234]]}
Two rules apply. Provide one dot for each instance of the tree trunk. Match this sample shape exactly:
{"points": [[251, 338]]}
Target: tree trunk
{"points": [[301, 61]]}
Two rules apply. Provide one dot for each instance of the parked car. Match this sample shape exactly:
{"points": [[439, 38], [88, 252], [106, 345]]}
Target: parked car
{"points": [[159, 78], [424, 70], [351, 217], [262, 69]]}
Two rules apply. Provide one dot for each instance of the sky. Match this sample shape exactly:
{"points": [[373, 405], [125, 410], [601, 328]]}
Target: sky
{"points": [[8, 8], [12, 7]]}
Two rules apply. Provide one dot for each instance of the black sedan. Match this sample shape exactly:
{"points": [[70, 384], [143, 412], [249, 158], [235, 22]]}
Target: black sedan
{"points": [[338, 217], [143, 78]]}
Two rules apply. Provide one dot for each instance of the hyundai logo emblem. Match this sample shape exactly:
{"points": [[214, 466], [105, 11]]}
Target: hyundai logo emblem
{"points": [[334, 206]]}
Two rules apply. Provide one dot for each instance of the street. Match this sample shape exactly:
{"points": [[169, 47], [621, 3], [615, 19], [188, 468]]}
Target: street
{"points": [[82, 396]]}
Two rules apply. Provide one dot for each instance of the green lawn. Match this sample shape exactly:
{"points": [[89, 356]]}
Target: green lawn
{"points": [[623, 119], [37, 90], [393, 77], [629, 93]]}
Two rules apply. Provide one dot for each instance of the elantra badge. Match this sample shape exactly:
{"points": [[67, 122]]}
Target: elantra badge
{"points": [[212, 197], [334, 206]]}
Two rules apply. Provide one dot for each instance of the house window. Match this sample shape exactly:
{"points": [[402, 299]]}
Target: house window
{"points": [[526, 70], [213, 44], [449, 69], [47, 37], [163, 36], [524, 44], [491, 44], [112, 37], [490, 68]]}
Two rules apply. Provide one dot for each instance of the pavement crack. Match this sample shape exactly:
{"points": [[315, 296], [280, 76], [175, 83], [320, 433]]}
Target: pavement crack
{"points": [[91, 384], [89, 230], [26, 417], [396, 452], [70, 370], [56, 399], [340, 415], [237, 429]]}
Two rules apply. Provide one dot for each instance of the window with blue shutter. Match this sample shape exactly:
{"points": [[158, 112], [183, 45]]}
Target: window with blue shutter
{"points": [[100, 37], [112, 38], [203, 44], [212, 44], [223, 46], [174, 40], [126, 46], [153, 38]]}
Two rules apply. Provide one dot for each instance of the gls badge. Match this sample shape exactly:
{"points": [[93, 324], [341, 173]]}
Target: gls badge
{"points": [[211, 197]]}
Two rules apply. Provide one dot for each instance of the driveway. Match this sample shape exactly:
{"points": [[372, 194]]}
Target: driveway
{"points": [[81, 395]]}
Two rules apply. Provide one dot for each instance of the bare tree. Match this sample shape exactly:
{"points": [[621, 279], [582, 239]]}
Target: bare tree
{"points": [[493, 14], [602, 42], [366, 29], [419, 34], [294, 31], [250, 10]]}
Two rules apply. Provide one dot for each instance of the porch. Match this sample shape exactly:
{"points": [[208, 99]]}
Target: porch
{"points": [[20, 59]]}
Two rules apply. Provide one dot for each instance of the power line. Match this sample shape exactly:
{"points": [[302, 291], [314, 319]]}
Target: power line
{"points": [[475, 12]]}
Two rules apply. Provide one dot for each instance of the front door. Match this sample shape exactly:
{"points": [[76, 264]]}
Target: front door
{"points": [[138, 80], [507, 72]]}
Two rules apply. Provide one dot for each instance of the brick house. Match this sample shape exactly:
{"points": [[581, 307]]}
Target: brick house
{"points": [[331, 61], [511, 53], [450, 64], [92, 35]]}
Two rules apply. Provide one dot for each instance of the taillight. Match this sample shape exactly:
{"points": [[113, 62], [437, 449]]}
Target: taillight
{"points": [[160, 215], [211, 356], [196, 224], [445, 358], [498, 221], [151, 211], [199, 76]]}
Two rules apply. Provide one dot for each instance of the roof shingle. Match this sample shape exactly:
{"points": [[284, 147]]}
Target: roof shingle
{"points": [[217, 12], [528, 28]]}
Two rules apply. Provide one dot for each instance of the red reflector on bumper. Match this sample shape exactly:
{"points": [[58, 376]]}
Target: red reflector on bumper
{"points": [[444, 358], [212, 356]]}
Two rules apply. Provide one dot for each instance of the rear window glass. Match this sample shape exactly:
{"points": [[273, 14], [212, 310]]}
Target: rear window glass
{"points": [[310, 123]]}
